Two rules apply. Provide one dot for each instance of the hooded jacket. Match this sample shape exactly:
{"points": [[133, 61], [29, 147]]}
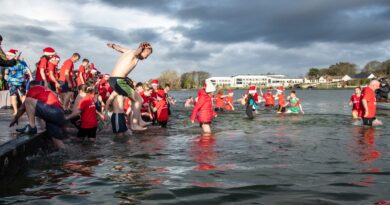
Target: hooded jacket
{"points": [[203, 108]]}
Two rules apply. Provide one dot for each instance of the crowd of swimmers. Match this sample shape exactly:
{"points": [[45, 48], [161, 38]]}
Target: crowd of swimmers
{"points": [[206, 105], [89, 99]]}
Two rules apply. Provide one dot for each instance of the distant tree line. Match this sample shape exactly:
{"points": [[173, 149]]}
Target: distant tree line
{"points": [[379, 69], [188, 80]]}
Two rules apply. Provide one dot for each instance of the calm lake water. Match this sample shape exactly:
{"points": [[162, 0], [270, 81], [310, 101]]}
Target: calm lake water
{"points": [[317, 158]]}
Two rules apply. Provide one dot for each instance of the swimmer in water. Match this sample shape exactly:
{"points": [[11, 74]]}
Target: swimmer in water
{"points": [[295, 103]]}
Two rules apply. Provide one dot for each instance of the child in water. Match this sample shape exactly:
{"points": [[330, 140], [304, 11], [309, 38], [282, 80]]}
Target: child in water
{"points": [[251, 106], [356, 103], [295, 104], [229, 101], [219, 101], [204, 108], [162, 109]]}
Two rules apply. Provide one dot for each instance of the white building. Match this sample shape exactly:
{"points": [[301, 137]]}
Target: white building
{"points": [[262, 80]]}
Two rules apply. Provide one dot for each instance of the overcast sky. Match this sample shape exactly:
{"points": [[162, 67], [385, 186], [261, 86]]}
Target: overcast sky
{"points": [[223, 37]]}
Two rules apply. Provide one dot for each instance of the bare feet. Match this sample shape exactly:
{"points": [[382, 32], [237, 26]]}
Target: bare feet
{"points": [[135, 127], [144, 124]]}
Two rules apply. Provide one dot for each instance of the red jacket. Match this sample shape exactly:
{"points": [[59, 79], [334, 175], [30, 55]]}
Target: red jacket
{"points": [[203, 108]]}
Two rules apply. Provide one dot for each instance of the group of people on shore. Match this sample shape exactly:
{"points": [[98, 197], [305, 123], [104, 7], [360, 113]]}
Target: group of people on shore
{"points": [[86, 98]]}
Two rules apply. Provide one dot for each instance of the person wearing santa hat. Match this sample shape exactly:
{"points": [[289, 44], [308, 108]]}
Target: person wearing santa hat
{"points": [[121, 85], [161, 107], [42, 66], [203, 109], [269, 98], [229, 101], [219, 101], [281, 101], [3, 59], [15, 78], [66, 81], [251, 104], [52, 75]]}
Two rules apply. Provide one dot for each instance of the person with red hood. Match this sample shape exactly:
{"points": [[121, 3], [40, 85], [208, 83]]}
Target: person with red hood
{"points": [[269, 98], [162, 109], [229, 101], [203, 109], [281, 100]]}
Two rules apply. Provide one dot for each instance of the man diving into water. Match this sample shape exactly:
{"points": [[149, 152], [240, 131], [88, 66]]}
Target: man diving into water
{"points": [[123, 85]]}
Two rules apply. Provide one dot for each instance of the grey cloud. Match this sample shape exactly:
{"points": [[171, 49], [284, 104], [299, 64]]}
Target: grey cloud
{"points": [[20, 33], [283, 22], [116, 35]]}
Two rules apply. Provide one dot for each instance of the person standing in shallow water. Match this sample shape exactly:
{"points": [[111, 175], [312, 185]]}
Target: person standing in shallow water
{"points": [[356, 103], [219, 101], [121, 86], [229, 101], [369, 104], [203, 109], [295, 103]]}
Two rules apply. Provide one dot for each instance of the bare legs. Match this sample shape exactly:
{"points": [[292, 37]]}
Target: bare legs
{"points": [[14, 102], [68, 96], [30, 104], [136, 103], [206, 128]]}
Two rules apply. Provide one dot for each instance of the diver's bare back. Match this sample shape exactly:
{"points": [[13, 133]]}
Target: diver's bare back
{"points": [[125, 64]]}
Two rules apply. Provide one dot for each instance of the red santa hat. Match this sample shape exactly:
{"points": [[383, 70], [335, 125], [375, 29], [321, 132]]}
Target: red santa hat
{"points": [[269, 91], [92, 66], [252, 90], [103, 81], [209, 87], [56, 57], [11, 52], [230, 91], [154, 82], [161, 93], [281, 88], [49, 51]]}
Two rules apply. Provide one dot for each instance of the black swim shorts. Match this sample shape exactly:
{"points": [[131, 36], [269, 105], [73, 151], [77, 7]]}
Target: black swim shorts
{"points": [[54, 118], [368, 121], [87, 132], [204, 123], [118, 122]]}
